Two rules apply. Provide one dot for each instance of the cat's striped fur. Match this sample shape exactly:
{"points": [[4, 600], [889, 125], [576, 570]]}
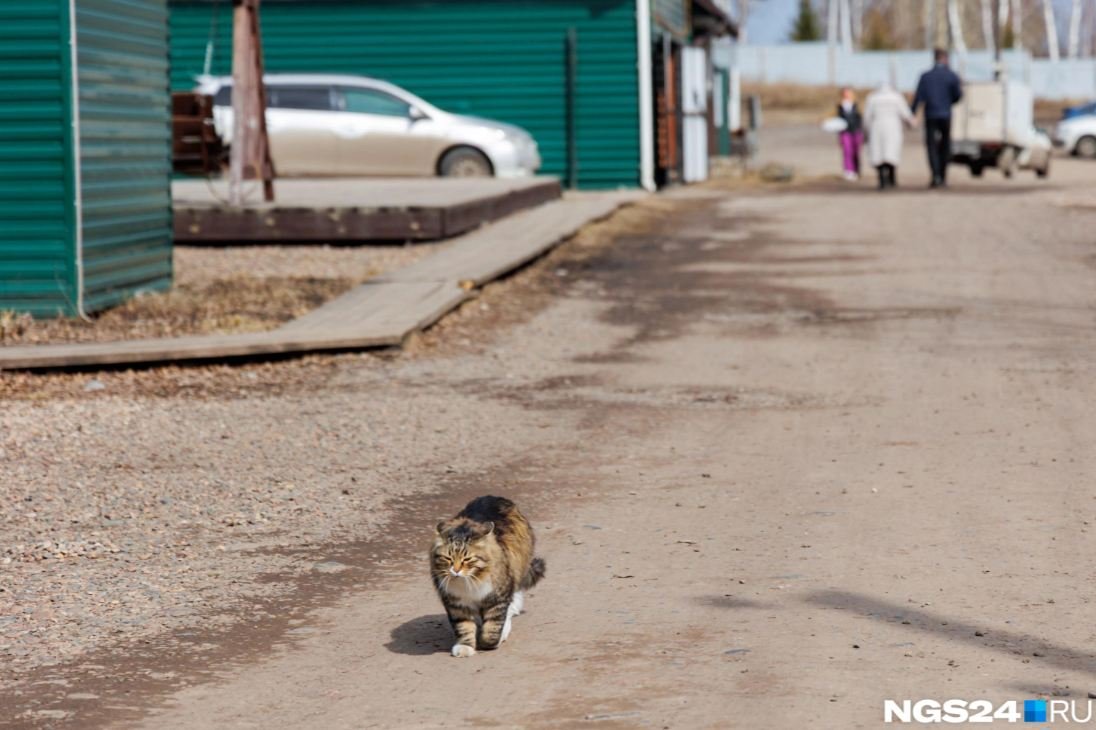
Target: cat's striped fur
{"points": [[482, 562]]}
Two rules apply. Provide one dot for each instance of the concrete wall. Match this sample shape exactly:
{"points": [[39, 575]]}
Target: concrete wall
{"points": [[817, 64]]}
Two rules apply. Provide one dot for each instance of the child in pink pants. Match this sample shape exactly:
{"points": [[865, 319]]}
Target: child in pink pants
{"points": [[853, 137]]}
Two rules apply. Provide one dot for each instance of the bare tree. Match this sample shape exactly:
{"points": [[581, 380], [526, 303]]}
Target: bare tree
{"points": [[832, 10], [1088, 22], [987, 25], [955, 27], [858, 21], [1051, 24], [743, 18], [1075, 29], [926, 22], [846, 25], [1017, 17]]}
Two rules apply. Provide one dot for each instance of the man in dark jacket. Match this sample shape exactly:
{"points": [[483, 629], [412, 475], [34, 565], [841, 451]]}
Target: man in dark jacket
{"points": [[938, 90]]}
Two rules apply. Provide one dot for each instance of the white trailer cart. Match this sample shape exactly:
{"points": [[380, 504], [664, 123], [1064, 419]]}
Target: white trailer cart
{"points": [[993, 126]]}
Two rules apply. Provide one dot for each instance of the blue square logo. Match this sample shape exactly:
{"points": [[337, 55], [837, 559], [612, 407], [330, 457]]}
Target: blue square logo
{"points": [[1035, 710]]}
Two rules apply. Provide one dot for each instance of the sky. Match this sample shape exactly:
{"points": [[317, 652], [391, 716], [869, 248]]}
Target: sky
{"points": [[770, 20]]}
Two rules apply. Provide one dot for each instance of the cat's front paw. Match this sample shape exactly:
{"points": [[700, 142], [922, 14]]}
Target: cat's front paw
{"points": [[462, 650]]}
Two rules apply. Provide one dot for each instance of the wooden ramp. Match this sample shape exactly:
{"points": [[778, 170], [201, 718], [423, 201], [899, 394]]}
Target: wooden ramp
{"points": [[380, 312]]}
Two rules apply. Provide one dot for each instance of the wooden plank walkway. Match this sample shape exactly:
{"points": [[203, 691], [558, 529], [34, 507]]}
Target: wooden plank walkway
{"points": [[380, 312], [353, 209], [508, 244]]}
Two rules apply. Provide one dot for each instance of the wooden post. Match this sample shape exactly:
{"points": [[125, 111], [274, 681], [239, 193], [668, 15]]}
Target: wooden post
{"points": [[250, 151]]}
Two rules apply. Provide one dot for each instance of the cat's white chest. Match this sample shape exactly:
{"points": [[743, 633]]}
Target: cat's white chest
{"points": [[468, 593]]}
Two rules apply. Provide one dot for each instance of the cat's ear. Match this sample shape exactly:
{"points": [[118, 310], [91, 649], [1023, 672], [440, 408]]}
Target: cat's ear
{"points": [[488, 528], [440, 527]]}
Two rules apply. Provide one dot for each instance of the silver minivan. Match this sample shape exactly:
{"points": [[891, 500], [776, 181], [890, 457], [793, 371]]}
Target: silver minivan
{"points": [[330, 125]]}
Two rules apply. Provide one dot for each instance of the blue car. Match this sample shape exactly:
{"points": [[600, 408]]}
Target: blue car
{"points": [[1079, 111]]}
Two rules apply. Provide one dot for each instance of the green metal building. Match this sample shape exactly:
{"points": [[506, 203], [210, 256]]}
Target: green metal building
{"points": [[85, 158], [505, 59]]}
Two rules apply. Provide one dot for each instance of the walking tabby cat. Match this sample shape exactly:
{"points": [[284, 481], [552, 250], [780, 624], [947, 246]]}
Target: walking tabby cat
{"points": [[482, 563]]}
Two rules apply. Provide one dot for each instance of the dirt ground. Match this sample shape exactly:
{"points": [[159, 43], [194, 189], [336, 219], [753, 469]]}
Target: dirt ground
{"points": [[789, 450]]}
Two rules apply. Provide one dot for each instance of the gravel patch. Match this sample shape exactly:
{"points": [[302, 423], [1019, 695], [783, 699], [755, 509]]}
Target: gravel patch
{"points": [[141, 502]]}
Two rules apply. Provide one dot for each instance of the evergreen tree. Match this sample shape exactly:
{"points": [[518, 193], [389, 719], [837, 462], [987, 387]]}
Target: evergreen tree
{"points": [[806, 26]]}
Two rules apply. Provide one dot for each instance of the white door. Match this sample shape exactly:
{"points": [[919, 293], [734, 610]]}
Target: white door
{"points": [[299, 123], [694, 109], [379, 135]]}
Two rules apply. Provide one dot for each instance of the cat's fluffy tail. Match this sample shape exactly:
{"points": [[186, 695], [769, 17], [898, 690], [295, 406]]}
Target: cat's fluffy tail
{"points": [[534, 574]]}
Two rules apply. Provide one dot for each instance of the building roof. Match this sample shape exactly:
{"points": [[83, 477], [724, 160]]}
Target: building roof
{"points": [[710, 19]]}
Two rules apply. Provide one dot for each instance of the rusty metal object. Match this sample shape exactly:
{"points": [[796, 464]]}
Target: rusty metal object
{"points": [[196, 148]]}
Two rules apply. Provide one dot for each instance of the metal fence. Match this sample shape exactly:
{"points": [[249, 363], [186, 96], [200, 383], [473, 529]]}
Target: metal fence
{"points": [[818, 64]]}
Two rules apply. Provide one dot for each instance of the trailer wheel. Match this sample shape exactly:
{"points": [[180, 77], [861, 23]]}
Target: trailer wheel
{"points": [[976, 169], [1043, 171], [1007, 161]]}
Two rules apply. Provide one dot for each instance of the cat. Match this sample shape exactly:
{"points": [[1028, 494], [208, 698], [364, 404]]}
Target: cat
{"points": [[482, 563]]}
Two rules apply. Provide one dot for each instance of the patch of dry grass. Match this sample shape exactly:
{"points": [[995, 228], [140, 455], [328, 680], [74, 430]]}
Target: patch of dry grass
{"points": [[796, 102], [235, 304]]}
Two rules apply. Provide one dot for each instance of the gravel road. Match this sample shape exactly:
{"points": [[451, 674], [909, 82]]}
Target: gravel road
{"points": [[788, 450]]}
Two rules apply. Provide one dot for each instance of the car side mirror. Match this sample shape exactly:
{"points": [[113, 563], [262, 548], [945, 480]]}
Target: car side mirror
{"points": [[416, 114]]}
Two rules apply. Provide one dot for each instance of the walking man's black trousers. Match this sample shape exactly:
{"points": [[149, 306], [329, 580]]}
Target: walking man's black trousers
{"points": [[938, 144]]}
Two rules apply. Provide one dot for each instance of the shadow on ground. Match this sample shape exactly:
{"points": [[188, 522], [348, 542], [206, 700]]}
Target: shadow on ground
{"points": [[1008, 642], [421, 636]]}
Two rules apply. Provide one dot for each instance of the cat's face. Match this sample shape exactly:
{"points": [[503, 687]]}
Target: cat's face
{"points": [[463, 549]]}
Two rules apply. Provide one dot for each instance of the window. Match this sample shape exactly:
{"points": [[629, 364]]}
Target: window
{"points": [[299, 97], [372, 101], [223, 97], [285, 97]]}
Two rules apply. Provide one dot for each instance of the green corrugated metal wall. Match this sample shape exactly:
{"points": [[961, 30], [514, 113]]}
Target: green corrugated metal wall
{"points": [[125, 148], [37, 220], [503, 59], [125, 144]]}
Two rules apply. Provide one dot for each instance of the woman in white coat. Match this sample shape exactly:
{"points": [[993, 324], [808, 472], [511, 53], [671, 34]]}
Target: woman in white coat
{"points": [[885, 114]]}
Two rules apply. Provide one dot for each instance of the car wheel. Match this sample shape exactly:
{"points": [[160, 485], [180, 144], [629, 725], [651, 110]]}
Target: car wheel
{"points": [[976, 170], [465, 162], [1086, 147]]}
